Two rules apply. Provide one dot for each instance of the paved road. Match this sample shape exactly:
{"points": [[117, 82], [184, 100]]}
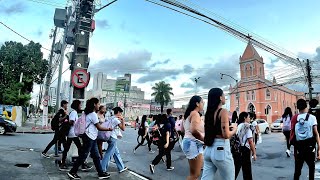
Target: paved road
{"points": [[272, 162]]}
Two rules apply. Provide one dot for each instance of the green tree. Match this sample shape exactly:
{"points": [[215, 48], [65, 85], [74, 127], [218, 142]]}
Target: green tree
{"points": [[16, 58], [162, 92]]}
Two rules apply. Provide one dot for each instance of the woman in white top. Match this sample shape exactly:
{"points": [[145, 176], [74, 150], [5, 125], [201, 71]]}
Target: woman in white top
{"points": [[246, 139], [286, 127], [192, 144], [102, 118], [144, 134]]}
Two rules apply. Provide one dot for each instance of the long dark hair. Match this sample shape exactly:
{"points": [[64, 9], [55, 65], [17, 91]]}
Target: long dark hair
{"points": [[287, 112], [242, 117], [192, 105], [213, 104], [90, 105], [234, 117], [143, 120]]}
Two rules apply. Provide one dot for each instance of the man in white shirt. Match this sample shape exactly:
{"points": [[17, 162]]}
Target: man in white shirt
{"points": [[117, 122]]}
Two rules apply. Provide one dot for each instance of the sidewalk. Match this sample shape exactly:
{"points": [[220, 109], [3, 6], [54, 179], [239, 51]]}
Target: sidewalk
{"points": [[52, 168], [34, 128]]}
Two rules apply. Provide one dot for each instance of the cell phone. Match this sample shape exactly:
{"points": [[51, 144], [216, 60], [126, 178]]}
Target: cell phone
{"points": [[220, 148]]}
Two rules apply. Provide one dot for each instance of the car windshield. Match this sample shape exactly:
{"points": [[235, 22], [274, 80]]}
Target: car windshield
{"points": [[278, 121]]}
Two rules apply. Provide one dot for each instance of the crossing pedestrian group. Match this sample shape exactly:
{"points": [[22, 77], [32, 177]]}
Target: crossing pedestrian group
{"points": [[211, 143]]}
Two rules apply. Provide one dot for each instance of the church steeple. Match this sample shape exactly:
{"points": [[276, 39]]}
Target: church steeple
{"points": [[251, 63]]}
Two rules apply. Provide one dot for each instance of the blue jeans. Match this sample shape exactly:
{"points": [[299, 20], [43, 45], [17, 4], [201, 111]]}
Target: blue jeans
{"points": [[91, 146], [218, 157], [117, 159], [111, 151]]}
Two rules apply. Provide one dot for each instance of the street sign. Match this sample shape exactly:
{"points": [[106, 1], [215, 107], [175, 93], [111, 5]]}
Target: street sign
{"points": [[45, 103], [80, 78]]}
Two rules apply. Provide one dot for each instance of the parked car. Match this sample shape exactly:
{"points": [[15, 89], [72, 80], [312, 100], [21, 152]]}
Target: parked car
{"points": [[128, 123], [263, 126], [277, 125], [6, 125]]}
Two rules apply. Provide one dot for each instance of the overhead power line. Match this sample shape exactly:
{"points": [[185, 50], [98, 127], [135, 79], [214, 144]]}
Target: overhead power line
{"points": [[20, 35]]}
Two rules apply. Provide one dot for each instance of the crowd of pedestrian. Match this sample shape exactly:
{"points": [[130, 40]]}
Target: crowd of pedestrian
{"points": [[213, 142]]}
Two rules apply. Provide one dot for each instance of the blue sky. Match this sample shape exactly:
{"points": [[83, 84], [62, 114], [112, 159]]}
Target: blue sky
{"points": [[156, 44]]}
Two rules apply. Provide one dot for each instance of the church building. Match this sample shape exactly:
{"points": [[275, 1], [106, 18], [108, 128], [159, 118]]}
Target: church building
{"points": [[257, 94]]}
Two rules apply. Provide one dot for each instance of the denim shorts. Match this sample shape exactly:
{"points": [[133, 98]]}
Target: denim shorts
{"points": [[191, 148]]}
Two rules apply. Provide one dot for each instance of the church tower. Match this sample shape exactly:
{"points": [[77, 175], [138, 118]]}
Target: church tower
{"points": [[251, 64]]}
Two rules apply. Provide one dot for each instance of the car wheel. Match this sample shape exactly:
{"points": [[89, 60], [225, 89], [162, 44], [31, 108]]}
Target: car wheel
{"points": [[266, 131], [2, 130]]}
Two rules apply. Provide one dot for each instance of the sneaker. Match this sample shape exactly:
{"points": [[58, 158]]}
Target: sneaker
{"points": [[45, 155], [104, 175], [124, 169], [134, 151], [152, 168], [151, 152], [170, 168], [288, 152], [73, 175], [63, 167], [85, 167]]}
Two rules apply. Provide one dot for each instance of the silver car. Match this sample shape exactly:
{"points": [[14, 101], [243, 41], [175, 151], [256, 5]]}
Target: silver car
{"points": [[277, 125]]}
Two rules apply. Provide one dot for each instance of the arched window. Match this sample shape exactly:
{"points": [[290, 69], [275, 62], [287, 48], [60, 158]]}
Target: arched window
{"points": [[251, 108], [253, 96], [268, 94]]}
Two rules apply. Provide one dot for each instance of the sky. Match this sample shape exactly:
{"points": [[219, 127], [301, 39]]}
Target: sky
{"points": [[154, 43]]}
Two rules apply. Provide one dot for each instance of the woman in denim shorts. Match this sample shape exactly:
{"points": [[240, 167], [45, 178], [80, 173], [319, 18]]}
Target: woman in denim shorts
{"points": [[218, 131], [192, 144]]}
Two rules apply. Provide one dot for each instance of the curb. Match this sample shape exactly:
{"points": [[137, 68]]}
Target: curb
{"points": [[28, 132]]}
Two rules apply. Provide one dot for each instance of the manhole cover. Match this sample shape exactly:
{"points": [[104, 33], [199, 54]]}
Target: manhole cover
{"points": [[23, 165]]}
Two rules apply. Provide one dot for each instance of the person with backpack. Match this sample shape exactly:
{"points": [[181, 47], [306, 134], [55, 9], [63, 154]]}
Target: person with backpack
{"points": [[117, 121], [89, 139], [315, 111], [60, 125], [143, 132], [193, 127], [243, 160], [218, 131], [304, 136], [73, 117], [286, 127], [163, 130]]}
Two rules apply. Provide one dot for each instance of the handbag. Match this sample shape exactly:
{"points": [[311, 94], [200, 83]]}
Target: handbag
{"points": [[118, 133]]}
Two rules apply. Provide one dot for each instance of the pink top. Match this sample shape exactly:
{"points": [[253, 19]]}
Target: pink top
{"points": [[187, 132]]}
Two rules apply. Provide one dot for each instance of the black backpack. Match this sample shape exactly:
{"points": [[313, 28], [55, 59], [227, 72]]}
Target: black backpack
{"points": [[235, 144], [55, 122]]}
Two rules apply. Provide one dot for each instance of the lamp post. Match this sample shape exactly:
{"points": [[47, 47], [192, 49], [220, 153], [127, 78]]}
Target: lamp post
{"points": [[238, 96]]}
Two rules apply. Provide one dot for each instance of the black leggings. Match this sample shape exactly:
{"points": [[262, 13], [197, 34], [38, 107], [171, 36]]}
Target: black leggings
{"points": [[287, 135], [142, 141], [57, 137], [243, 161], [67, 146]]}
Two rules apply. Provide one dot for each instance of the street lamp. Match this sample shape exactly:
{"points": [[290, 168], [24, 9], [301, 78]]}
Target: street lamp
{"points": [[196, 81], [238, 96]]}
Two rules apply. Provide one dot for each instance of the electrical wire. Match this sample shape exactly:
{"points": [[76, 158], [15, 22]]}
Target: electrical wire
{"points": [[21, 35]]}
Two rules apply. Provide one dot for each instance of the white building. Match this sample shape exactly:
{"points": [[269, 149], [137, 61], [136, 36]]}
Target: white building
{"points": [[52, 96], [65, 91]]}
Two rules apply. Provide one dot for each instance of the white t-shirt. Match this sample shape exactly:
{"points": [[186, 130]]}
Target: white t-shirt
{"points": [[312, 120], [91, 120], [73, 116], [254, 124], [115, 124], [245, 138]]}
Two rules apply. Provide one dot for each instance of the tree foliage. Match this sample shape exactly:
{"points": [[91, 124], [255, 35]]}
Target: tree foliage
{"points": [[162, 92], [16, 58]]}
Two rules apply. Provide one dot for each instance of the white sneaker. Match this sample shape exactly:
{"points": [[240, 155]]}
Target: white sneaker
{"points": [[134, 151], [170, 168], [288, 152], [151, 152], [124, 169], [152, 168]]}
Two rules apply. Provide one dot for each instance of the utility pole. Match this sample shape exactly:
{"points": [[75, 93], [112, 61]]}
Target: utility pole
{"points": [[48, 80], [309, 79], [80, 60]]}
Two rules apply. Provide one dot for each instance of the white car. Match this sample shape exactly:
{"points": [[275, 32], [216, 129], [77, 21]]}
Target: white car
{"points": [[263, 126], [277, 125]]}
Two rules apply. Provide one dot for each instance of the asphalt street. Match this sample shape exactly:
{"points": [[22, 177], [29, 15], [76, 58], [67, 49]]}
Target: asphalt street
{"points": [[272, 162]]}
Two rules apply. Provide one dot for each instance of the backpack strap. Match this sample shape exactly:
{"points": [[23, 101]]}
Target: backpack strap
{"points": [[307, 117]]}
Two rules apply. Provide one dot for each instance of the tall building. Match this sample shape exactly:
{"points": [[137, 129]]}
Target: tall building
{"points": [[65, 90], [257, 94], [52, 96]]}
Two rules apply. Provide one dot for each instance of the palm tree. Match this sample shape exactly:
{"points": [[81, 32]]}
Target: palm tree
{"points": [[162, 92]]}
